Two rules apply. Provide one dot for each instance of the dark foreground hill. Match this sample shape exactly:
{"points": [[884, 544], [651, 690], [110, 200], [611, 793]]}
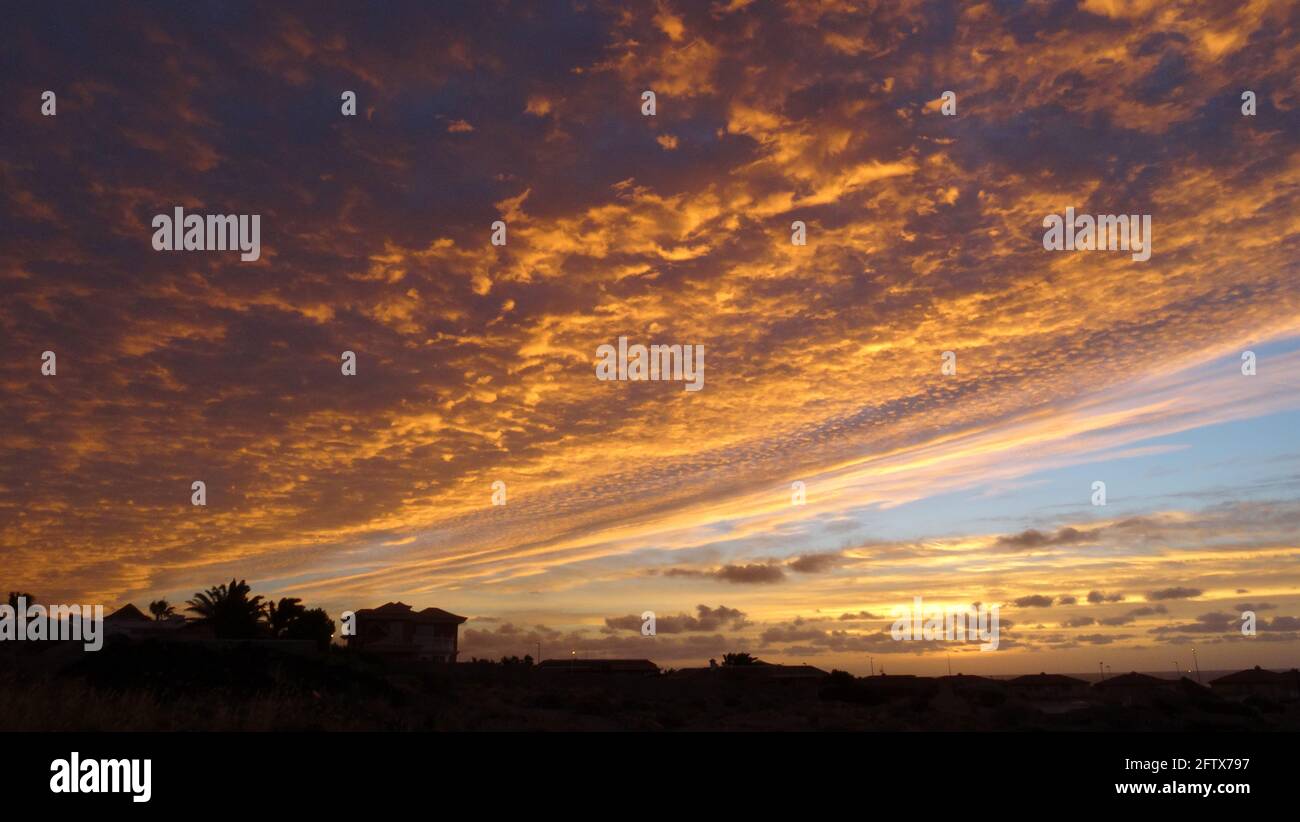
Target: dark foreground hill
{"points": [[260, 687]]}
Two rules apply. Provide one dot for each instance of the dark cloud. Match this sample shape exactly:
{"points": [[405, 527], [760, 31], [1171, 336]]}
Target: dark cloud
{"points": [[1097, 597], [1133, 614], [1149, 610], [815, 563], [1220, 623], [1174, 593], [1033, 601], [684, 572], [786, 633], [753, 574], [1211, 623], [705, 619], [1099, 639], [860, 615], [1031, 539], [747, 574]]}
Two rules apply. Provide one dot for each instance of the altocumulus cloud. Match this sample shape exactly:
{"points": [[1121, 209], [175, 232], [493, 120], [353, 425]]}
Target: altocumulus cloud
{"points": [[815, 563], [1174, 593], [1028, 540], [705, 619], [750, 574], [1033, 601]]}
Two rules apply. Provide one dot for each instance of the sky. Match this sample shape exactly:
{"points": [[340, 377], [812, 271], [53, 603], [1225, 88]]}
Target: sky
{"points": [[476, 363]]}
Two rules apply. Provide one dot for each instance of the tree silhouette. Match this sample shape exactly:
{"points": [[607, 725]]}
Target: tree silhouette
{"points": [[162, 609], [315, 625], [14, 596], [279, 617], [738, 659], [288, 619], [229, 610]]}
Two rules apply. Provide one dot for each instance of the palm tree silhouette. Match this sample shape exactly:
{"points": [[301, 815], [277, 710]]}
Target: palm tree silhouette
{"points": [[229, 610], [162, 609]]}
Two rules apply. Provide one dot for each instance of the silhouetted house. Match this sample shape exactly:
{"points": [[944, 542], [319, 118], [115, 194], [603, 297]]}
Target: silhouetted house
{"points": [[131, 623], [1259, 682], [125, 619], [1134, 688], [1048, 687], [962, 683], [628, 667], [1195, 690], [770, 671], [970, 681], [968, 690], [896, 686], [397, 631], [756, 671]]}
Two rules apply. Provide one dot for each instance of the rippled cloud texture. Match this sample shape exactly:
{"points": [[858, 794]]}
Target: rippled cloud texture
{"points": [[476, 362]]}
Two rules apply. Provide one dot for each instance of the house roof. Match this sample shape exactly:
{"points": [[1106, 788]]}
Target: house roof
{"points": [[769, 670], [1135, 680], [1190, 687], [900, 682], [439, 615], [757, 669], [400, 610], [127, 613], [1253, 676], [1055, 680], [608, 665], [967, 679]]}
